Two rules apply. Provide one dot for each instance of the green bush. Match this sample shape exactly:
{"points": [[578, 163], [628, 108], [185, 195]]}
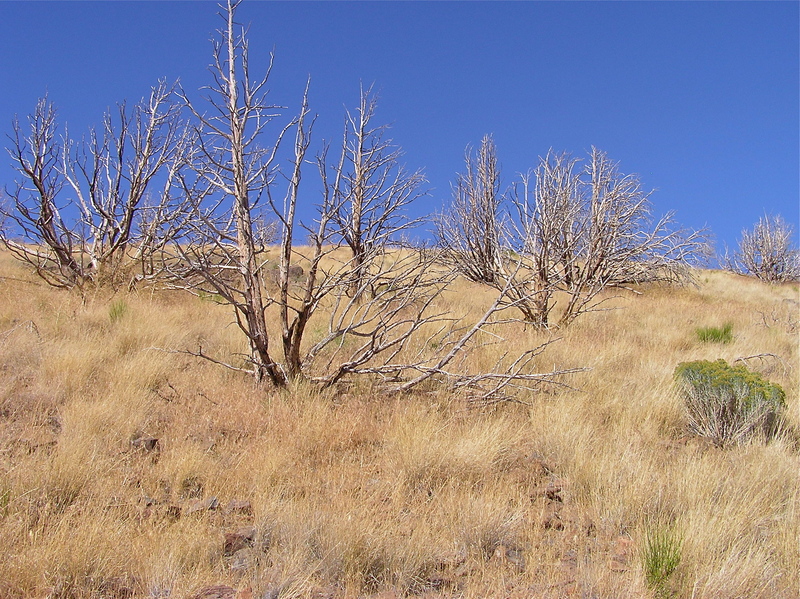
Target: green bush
{"points": [[715, 334], [729, 404]]}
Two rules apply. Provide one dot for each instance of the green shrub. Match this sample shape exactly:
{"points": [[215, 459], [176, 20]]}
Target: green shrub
{"points": [[661, 555], [715, 334], [729, 404]]}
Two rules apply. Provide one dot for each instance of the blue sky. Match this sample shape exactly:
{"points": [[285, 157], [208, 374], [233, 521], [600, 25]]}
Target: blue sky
{"points": [[700, 99]]}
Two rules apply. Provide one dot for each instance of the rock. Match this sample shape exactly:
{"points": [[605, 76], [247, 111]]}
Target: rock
{"points": [[509, 555], [552, 522], [271, 593], [516, 558], [145, 443], [553, 491], [202, 505], [239, 506], [236, 541], [620, 558], [173, 513], [243, 560], [220, 591], [191, 486]]}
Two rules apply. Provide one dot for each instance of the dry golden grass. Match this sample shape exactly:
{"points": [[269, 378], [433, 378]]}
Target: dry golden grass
{"points": [[356, 494]]}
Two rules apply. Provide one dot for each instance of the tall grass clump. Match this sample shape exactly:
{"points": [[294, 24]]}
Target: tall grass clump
{"points": [[722, 334], [729, 404], [661, 556], [117, 310]]}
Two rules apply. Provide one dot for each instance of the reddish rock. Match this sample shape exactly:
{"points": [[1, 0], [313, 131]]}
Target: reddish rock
{"points": [[553, 491], [239, 506], [235, 541], [509, 556], [202, 505], [220, 591], [173, 513], [145, 443], [552, 522], [621, 555]]}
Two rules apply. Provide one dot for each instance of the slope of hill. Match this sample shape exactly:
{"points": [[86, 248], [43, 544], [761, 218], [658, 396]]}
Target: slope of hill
{"points": [[131, 471]]}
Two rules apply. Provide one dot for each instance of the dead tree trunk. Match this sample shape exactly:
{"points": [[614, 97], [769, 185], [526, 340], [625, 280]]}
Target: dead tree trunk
{"points": [[224, 179]]}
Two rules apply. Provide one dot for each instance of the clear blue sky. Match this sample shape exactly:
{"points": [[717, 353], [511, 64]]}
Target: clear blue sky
{"points": [[701, 99]]}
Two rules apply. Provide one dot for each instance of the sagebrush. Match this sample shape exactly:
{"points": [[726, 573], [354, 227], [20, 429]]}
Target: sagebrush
{"points": [[729, 404]]}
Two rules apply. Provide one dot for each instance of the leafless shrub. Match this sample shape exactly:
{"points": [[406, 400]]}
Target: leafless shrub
{"points": [[371, 188], [470, 231], [785, 316], [35, 231], [613, 239], [766, 252], [570, 231], [87, 237]]}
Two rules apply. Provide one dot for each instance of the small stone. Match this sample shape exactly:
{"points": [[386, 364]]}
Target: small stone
{"points": [[173, 513], [516, 557], [236, 541], [553, 522], [616, 565], [202, 505], [239, 506], [271, 593], [145, 443], [242, 560], [220, 591], [623, 547], [553, 492]]}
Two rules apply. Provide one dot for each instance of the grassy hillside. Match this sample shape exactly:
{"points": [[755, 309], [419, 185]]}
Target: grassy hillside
{"points": [[129, 471]]}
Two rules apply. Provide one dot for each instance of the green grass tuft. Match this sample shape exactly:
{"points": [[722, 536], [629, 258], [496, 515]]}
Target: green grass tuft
{"points": [[661, 556], [117, 310], [722, 334]]}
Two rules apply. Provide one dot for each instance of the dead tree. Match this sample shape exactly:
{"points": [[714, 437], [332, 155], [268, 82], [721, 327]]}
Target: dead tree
{"points": [[577, 234], [112, 172], [470, 231], [618, 243], [372, 188], [38, 234], [766, 252], [360, 328], [223, 181], [331, 330], [87, 237], [544, 232]]}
